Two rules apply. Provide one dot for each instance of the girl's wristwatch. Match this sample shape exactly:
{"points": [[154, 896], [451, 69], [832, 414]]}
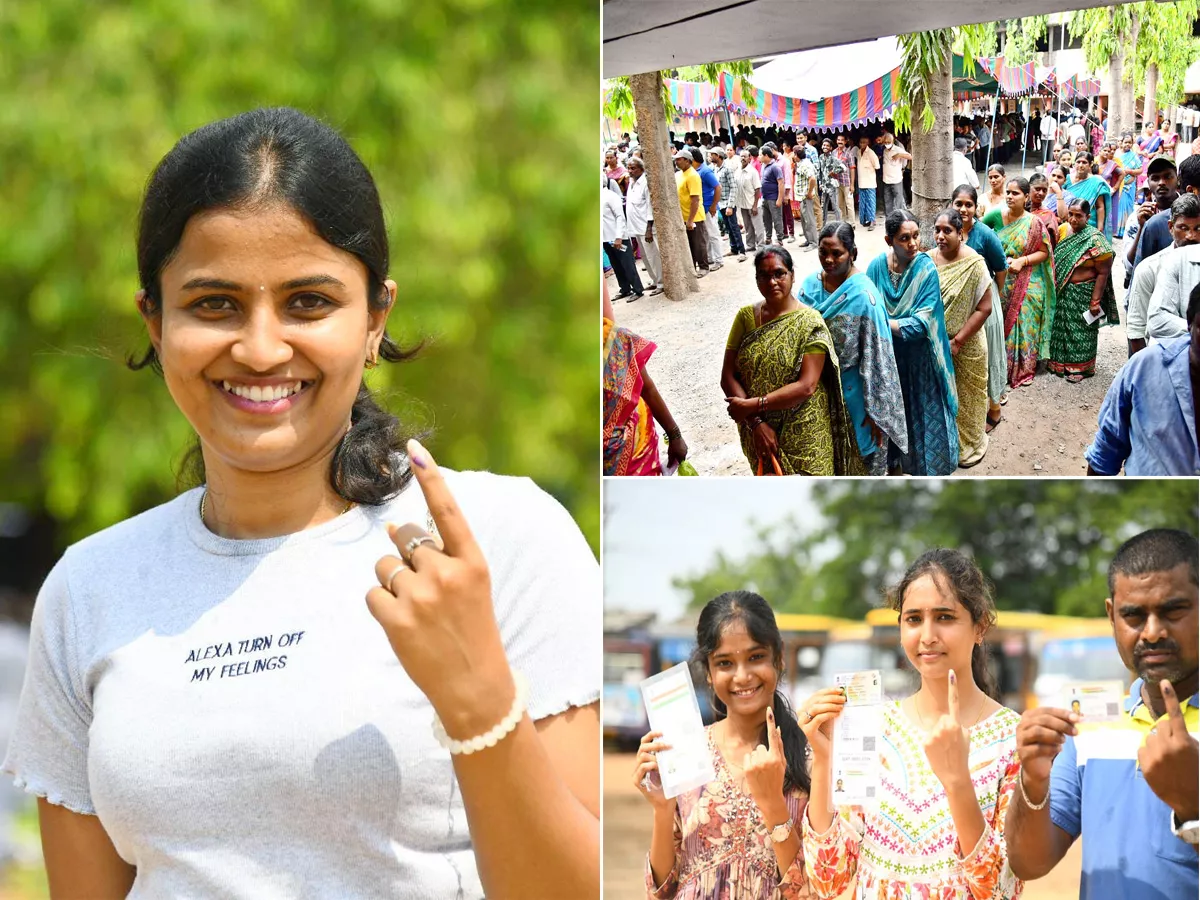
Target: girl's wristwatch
{"points": [[781, 833]]}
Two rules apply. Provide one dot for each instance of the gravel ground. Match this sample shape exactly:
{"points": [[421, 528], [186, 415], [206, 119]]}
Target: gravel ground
{"points": [[1046, 425]]}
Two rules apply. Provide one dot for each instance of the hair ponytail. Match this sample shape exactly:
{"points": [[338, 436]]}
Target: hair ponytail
{"points": [[984, 679], [795, 745]]}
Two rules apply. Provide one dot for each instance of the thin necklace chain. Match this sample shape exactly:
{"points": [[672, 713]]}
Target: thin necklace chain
{"points": [[204, 500]]}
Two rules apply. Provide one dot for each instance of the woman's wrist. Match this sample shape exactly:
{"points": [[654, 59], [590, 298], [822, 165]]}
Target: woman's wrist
{"points": [[471, 711], [774, 812]]}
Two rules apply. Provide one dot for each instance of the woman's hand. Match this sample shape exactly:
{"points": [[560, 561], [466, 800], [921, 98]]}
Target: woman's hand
{"points": [[764, 767], [677, 450], [646, 763], [1094, 306], [435, 605], [1016, 265], [765, 442], [816, 716], [741, 408], [877, 433], [948, 745], [955, 345]]}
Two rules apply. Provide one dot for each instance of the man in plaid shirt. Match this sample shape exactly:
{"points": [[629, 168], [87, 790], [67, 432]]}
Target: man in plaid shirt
{"points": [[845, 178], [727, 175]]}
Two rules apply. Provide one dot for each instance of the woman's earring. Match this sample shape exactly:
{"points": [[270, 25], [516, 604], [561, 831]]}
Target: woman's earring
{"points": [[372, 362]]}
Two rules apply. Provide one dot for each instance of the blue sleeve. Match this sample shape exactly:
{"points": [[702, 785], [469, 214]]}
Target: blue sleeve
{"points": [[993, 253], [911, 329], [1112, 445], [1155, 237], [1066, 790]]}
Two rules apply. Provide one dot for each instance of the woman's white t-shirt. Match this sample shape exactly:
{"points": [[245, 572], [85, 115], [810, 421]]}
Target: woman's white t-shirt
{"points": [[238, 720]]}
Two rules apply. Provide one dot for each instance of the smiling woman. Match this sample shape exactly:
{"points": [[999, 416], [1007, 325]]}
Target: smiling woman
{"points": [[211, 708]]}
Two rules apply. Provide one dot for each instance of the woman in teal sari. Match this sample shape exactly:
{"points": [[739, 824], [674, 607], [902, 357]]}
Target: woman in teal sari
{"points": [[782, 384], [1028, 295], [852, 308], [1133, 166], [908, 281], [1092, 188], [1082, 270]]}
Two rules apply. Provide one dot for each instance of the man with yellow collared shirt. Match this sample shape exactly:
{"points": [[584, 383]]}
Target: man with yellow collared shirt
{"points": [[691, 192], [1130, 788]]}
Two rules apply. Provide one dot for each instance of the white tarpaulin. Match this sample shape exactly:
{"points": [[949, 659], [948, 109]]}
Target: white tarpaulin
{"points": [[828, 71]]}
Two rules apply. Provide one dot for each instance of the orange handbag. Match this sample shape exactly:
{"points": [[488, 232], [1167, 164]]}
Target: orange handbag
{"points": [[774, 466]]}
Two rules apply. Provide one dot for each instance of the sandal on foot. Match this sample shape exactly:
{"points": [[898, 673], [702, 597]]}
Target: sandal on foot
{"points": [[992, 424]]}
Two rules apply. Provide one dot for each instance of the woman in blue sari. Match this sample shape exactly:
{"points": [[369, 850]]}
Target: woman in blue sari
{"points": [[908, 281], [1132, 163], [1093, 189], [983, 240], [855, 314]]}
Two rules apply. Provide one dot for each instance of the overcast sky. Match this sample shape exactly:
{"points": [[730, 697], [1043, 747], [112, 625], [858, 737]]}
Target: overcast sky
{"points": [[659, 528]]}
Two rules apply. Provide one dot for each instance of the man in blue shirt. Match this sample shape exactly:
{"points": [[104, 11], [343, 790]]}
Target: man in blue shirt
{"points": [[1148, 418], [1130, 788], [772, 194], [1154, 235]]}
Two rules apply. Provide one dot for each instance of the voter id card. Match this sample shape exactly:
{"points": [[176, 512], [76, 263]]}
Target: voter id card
{"points": [[672, 709], [857, 734], [1097, 701]]}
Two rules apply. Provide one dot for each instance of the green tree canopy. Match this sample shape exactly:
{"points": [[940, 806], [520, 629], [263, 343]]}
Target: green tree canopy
{"points": [[477, 119], [1045, 544]]}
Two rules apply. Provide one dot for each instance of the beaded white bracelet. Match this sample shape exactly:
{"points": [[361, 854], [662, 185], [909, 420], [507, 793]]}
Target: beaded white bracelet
{"points": [[490, 738], [1025, 796]]}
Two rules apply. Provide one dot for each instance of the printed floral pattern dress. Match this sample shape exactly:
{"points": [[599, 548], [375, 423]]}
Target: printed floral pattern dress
{"points": [[723, 850], [906, 848]]}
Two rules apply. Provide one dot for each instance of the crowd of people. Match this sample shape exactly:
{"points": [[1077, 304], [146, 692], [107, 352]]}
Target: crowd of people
{"points": [[903, 366], [974, 798]]}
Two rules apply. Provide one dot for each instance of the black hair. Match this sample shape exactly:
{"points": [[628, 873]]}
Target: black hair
{"points": [[828, 140], [1189, 173], [1081, 204], [1021, 183], [251, 161], [1083, 154], [968, 190], [752, 150], [962, 576], [995, 167], [1156, 550], [953, 215], [1186, 206], [1061, 168], [1037, 178], [1193, 305], [755, 614], [697, 156], [774, 250], [844, 232], [896, 218]]}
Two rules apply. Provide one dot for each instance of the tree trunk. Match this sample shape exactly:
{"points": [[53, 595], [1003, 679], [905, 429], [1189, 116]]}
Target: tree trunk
{"points": [[1116, 97], [1130, 89], [933, 150], [679, 277], [1149, 107]]}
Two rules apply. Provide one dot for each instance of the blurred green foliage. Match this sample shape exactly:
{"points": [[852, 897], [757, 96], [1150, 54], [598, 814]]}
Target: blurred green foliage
{"points": [[477, 119], [1045, 544]]}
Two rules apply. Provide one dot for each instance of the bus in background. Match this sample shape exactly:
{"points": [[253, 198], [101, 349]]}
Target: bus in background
{"points": [[627, 661], [1072, 651]]}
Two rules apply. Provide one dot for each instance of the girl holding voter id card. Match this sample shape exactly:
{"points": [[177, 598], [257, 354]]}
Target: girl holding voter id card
{"points": [[931, 776], [736, 837]]}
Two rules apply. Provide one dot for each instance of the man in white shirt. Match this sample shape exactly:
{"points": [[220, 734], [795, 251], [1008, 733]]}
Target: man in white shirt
{"points": [[1076, 132], [894, 160], [961, 170], [1049, 133], [1178, 273], [640, 217], [867, 164], [1185, 231], [716, 249], [614, 232], [749, 203]]}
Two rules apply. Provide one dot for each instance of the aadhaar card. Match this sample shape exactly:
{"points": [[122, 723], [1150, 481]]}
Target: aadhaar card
{"points": [[860, 687], [1097, 701], [855, 756], [672, 709]]}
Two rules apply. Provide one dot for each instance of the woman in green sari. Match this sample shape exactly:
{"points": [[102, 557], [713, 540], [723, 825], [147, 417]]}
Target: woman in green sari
{"points": [[1092, 188], [967, 291], [1082, 269], [1028, 295], [781, 381]]}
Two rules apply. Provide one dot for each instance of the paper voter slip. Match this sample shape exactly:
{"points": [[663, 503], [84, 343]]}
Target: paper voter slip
{"points": [[1096, 701], [672, 709], [856, 738]]}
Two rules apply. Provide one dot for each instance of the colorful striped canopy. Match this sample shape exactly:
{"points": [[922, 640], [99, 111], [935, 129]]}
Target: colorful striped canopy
{"points": [[1080, 87], [695, 98], [874, 100]]}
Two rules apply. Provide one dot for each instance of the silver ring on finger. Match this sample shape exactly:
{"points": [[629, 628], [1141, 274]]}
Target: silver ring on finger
{"points": [[810, 717], [416, 542], [396, 571]]}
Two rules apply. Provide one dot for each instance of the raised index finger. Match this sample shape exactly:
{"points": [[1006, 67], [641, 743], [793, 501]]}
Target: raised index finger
{"points": [[952, 696], [1171, 701], [772, 740], [452, 526]]}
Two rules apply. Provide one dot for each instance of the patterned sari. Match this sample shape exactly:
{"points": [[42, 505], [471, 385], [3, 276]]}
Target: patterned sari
{"points": [[1089, 189], [630, 439], [1072, 341], [914, 300], [1028, 297], [815, 438], [965, 282], [1129, 160], [1108, 171], [858, 322]]}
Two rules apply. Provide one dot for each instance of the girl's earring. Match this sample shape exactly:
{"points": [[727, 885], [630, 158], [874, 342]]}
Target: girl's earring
{"points": [[372, 362]]}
